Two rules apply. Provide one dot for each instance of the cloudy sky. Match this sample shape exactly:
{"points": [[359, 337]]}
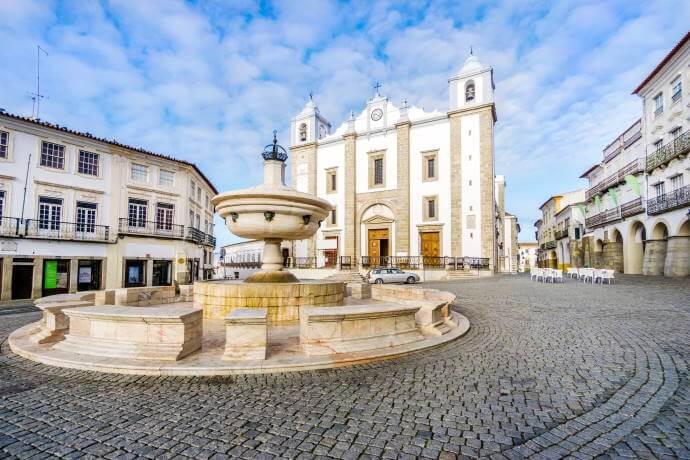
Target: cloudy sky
{"points": [[208, 81]]}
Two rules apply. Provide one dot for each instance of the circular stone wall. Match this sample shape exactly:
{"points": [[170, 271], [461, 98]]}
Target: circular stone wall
{"points": [[282, 300]]}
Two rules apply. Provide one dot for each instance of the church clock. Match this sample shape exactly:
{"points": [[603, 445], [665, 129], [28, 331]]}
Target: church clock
{"points": [[376, 114]]}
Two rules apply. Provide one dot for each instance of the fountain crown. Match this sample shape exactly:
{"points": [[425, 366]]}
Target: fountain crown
{"points": [[274, 151]]}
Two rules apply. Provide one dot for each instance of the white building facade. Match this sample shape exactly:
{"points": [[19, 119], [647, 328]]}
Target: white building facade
{"points": [[638, 197], [83, 213], [404, 182]]}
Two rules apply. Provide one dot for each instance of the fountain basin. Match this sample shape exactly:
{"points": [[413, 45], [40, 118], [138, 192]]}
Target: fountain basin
{"points": [[283, 301]]}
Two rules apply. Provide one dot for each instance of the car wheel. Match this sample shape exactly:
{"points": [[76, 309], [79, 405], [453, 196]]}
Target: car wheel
{"points": [[379, 281], [411, 280]]}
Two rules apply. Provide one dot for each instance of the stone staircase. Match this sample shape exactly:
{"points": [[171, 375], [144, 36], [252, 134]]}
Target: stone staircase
{"points": [[347, 277], [455, 275]]}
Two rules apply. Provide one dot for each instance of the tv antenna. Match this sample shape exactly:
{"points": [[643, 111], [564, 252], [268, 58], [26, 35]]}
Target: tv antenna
{"points": [[37, 96]]}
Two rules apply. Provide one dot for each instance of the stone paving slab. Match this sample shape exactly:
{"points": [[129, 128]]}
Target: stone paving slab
{"points": [[546, 371]]}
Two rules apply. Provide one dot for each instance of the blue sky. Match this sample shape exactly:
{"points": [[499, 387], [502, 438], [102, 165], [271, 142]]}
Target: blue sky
{"points": [[208, 81]]}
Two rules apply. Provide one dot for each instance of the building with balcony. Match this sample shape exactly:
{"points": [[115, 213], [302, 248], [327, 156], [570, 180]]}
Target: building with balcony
{"points": [[637, 200], [559, 230], [665, 95], [78, 212]]}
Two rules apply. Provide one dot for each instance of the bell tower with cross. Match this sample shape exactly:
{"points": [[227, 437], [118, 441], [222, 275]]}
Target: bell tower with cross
{"points": [[377, 110]]}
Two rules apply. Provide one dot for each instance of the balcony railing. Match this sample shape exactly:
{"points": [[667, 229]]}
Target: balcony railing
{"points": [[668, 201], [199, 237], [10, 226], [549, 245], [658, 111], [49, 229], [632, 208], [561, 234], [666, 153], [150, 228], [676, 96], [634, 167]]}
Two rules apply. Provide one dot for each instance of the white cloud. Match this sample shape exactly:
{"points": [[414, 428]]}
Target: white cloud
{"points": [[209, 82]]}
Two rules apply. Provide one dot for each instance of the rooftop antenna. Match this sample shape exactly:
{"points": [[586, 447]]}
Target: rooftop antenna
{"points": [[37, 96]]}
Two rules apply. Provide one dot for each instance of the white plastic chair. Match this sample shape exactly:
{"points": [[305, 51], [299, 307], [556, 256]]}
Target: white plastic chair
{"points": [[572, 273], [558, 276], [534, 274], [598, 275], [548, 275], [586, 273], [607, 276]]}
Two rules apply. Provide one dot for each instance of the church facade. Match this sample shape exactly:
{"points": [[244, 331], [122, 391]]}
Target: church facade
{"points": [[403, 181]]}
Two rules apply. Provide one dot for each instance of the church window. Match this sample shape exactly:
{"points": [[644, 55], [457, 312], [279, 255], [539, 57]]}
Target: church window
{"points": [[429, 166], [331, 180], [303, 132], [377, 173], [469, 91], [469, 157], [470, 181], [430, 205], [332, 218]]}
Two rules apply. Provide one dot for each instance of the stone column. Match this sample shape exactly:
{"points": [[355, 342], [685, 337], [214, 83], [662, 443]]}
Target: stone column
{"points": [[149, 272], [37, 279], [677, 256], [613, 256], [654, 257], [455, 184], [73, 275], [402, 217], [6, 288], [350, 212]]}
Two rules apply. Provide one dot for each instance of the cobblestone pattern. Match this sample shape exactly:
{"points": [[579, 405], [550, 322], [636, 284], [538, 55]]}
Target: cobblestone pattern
{"points": [[547, 371]]}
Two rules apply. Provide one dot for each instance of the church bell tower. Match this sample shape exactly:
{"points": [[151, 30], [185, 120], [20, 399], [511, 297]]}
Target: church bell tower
{"points": [[472, 85]]}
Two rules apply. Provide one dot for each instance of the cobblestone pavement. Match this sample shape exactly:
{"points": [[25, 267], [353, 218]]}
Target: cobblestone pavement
{"points": [[546, 371]]}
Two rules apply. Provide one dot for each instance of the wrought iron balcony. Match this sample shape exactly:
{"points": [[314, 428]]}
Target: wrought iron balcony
{"points": [[679, 146], [128, 226], [634, 167], [549, 245], [658, 111], [676, 96], [11, 226], [675, 199], [199, 237], [54, 230], [603, 218], [561, 234], [632, 208]]}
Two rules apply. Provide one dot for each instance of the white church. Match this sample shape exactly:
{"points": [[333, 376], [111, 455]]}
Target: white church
{"points": [[404, 181]]}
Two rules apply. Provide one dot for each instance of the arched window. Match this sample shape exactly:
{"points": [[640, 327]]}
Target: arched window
{"points": [[469, 91], [303, 132]]}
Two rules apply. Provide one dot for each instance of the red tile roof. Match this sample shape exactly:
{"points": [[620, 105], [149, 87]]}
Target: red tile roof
{"points": [[110, 142], [663, 62]]}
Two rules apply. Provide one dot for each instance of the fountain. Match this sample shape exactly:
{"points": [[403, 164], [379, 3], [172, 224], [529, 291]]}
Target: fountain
{"points": [[271, 212], [271, 322]]}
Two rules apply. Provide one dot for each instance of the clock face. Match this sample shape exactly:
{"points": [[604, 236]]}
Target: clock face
{"points": [[376, 114]]}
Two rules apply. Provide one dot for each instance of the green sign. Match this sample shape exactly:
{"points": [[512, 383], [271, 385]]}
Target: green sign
{"points": [[50, 274]]}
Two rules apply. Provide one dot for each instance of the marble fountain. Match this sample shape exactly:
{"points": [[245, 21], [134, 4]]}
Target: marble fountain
{"points": [[270, 322]]}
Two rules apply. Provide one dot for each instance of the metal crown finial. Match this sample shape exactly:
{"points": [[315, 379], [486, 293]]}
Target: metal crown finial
{"points": [[274, 151]]}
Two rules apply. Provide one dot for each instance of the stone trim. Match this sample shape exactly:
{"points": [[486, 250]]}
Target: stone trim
{"points": [[475, 109], [455, 184], [373, 156], [486, 186], [351, 231], [330, 173], [402, 230], [426, 156], [425, 208]]}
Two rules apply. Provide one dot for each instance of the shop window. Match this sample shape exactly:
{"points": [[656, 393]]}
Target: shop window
{"points": [[162, 273], [135, 273]]}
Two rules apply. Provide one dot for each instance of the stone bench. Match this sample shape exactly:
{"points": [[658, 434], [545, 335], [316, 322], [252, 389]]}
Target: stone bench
{"points": [[246, 334], [434, 316], [144, 296], [55, 324], [84, 296], [330, 330], [151, 333]]}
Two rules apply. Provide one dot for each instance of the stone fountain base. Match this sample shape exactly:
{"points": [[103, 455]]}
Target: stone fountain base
{"points": [[282, 300]]}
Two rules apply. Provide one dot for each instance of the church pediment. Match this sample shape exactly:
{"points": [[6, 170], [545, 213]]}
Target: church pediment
{"points": [[378, 220]]}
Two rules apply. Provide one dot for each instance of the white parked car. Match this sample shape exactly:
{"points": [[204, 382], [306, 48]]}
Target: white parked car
{"points": [[391, 275]]}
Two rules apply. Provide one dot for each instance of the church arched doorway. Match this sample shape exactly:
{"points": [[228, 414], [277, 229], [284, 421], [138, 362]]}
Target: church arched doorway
{"points": [[378, 235]]}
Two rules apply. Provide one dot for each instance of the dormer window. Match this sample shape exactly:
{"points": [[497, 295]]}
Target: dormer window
{"points": [[303, 132], [469, 91]]}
